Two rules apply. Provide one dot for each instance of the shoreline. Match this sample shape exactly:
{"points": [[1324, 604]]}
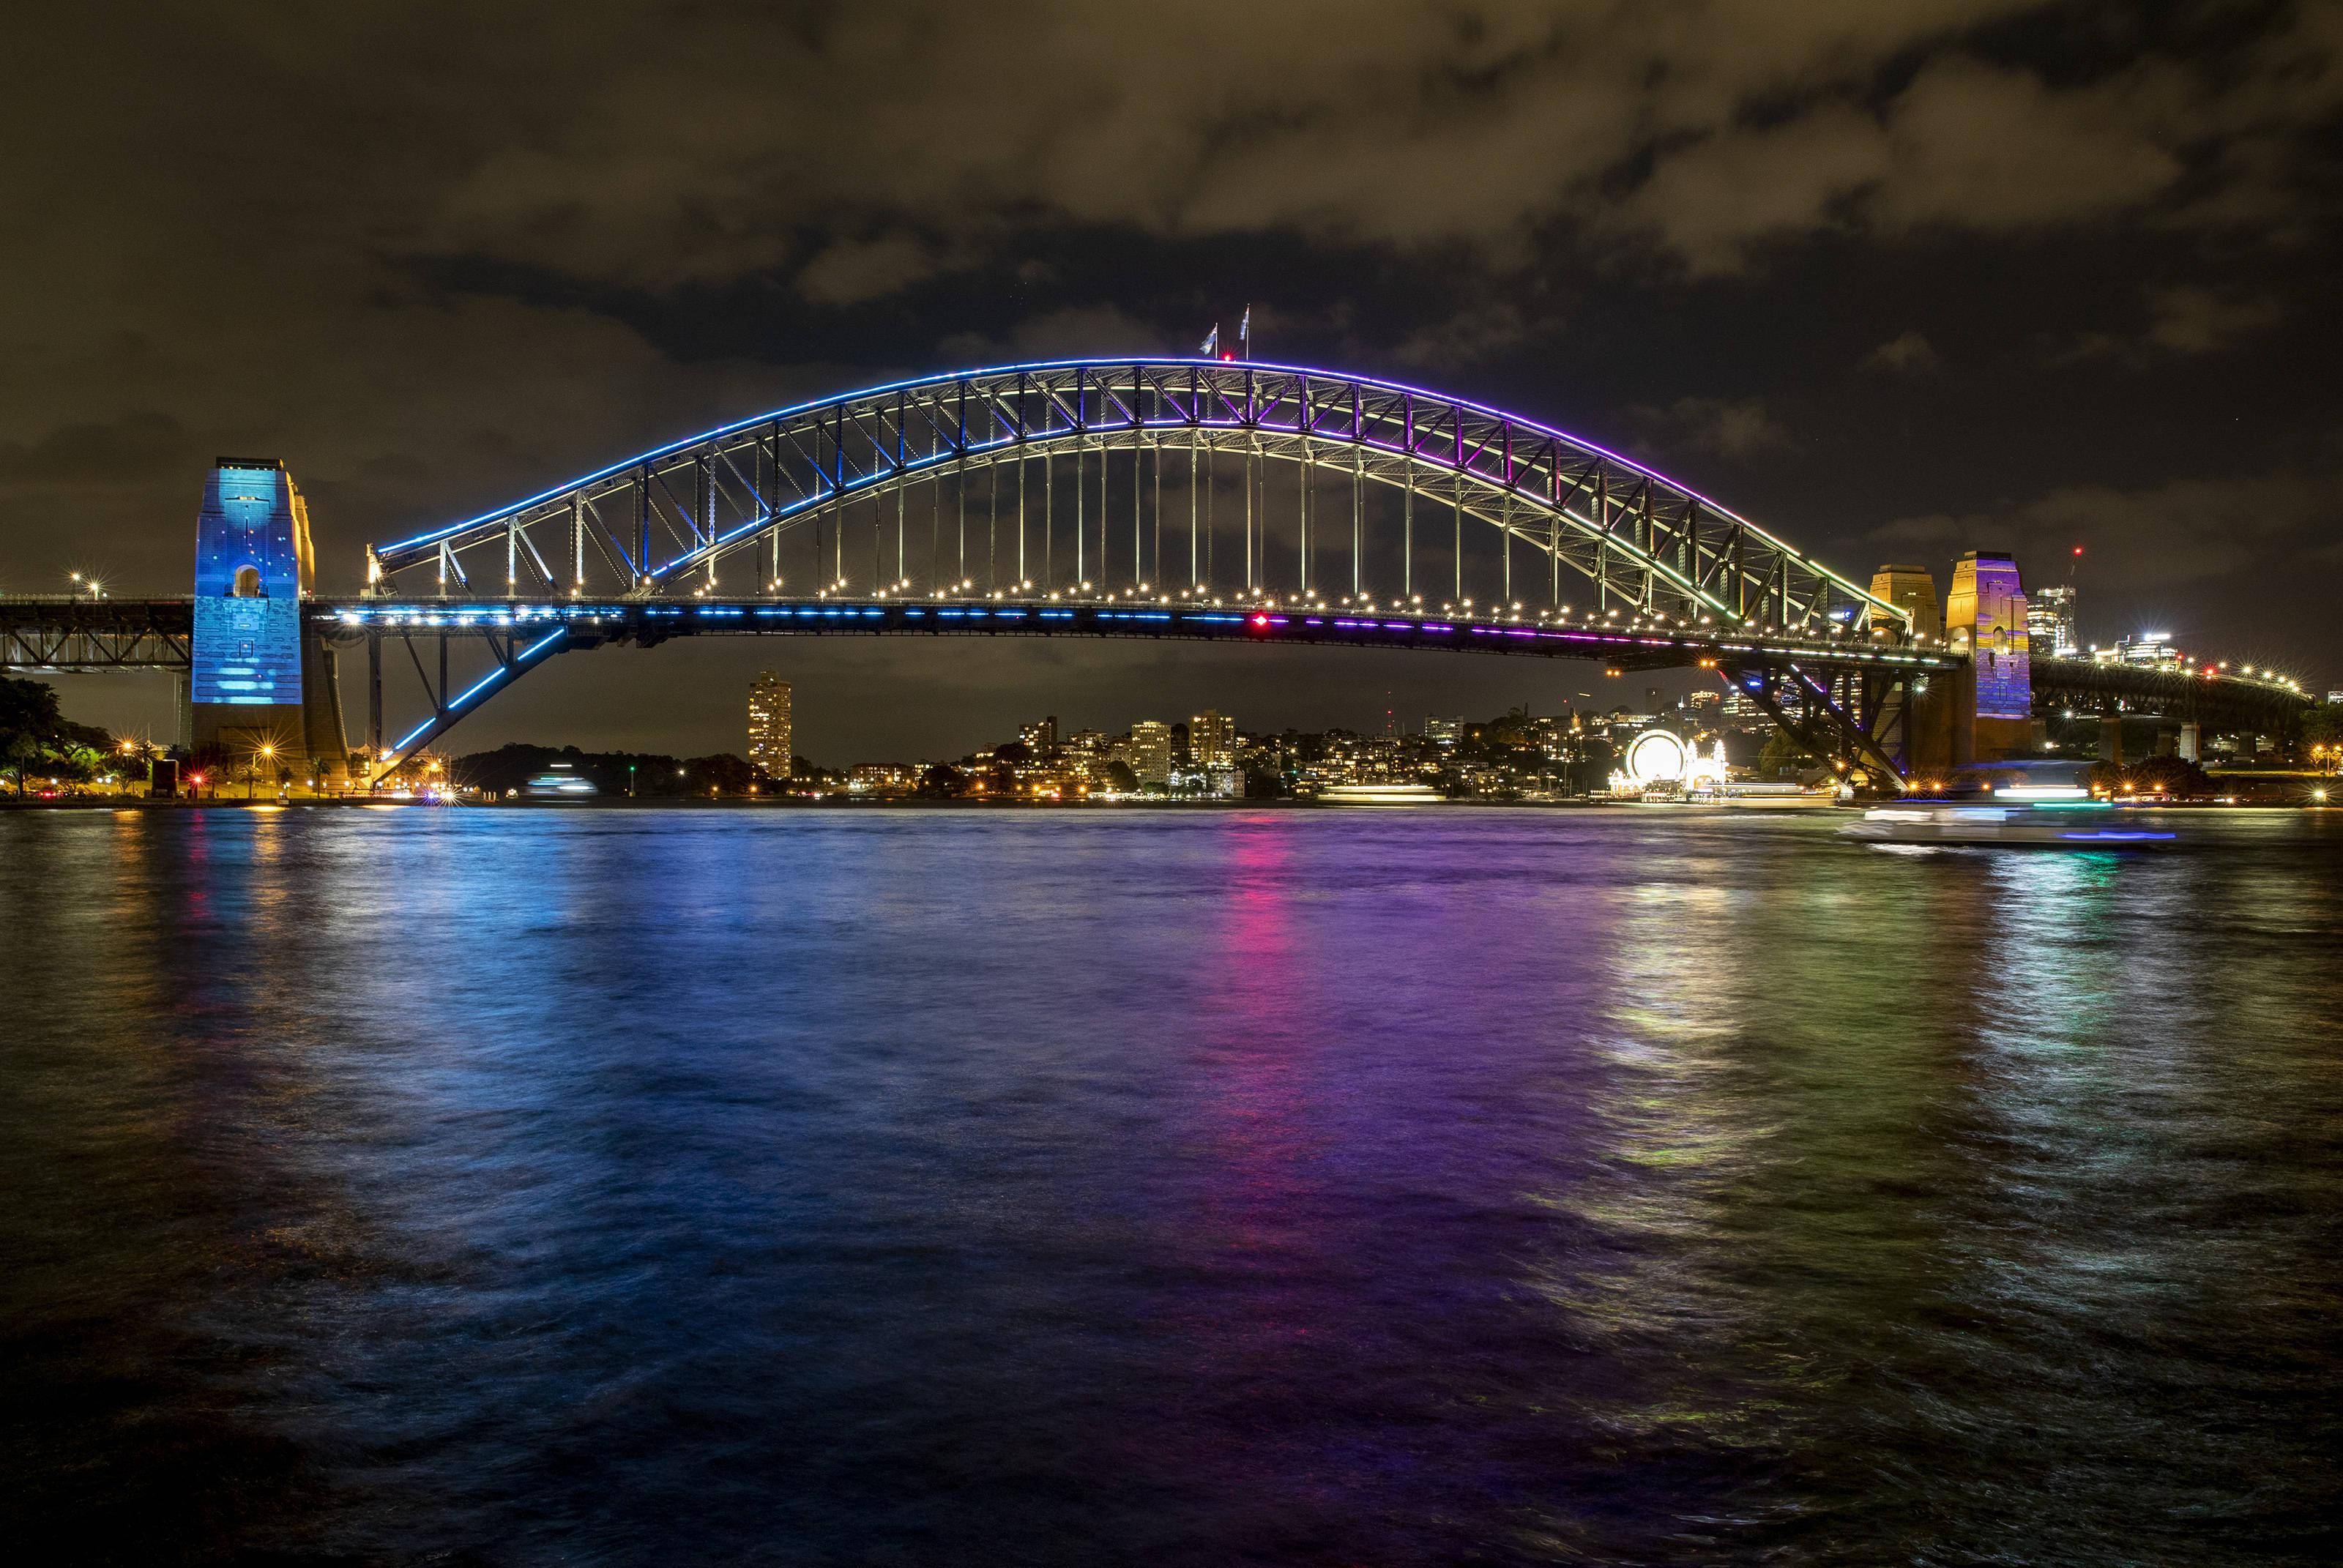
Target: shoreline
{"points": [[741, 803]]}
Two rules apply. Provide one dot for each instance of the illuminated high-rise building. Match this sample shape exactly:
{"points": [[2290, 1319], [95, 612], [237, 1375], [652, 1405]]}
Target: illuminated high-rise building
{"points": [[768, 724], [1149, 752], [1041, 737], [1912, 589], [1212, 740], [2050, 622]]}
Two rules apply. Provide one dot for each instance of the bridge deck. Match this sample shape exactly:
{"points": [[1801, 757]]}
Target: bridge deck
{"points": [[60, 634], [41, 632], [646, 623]]}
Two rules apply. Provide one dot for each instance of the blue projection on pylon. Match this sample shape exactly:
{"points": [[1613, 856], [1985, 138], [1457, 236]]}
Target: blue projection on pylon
{"points": [[253, 564]]}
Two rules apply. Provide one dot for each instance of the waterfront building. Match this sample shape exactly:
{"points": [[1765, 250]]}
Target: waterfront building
{"points": [[1147, 752], [883, 778], [1444, 731], [1041, 737], [1211, 740], [2050, 622], [1559, 738], [1912, 589], [2149, 650], [768, 724]]}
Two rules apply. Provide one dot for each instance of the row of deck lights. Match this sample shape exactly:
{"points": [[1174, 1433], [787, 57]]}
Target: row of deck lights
{"points": [[903, 590], [1513, 614]]}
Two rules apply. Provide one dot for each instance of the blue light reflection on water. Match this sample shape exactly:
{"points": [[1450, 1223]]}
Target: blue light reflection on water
{"points": [[1179, 1188]]}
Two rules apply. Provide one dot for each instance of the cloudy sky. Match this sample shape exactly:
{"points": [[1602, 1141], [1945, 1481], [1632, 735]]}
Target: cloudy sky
{"points": [[1896, 279]]}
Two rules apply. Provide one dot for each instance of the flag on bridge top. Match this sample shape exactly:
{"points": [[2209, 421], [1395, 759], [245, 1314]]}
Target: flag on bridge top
{"points": [[1212, 344], [1244, 335]]}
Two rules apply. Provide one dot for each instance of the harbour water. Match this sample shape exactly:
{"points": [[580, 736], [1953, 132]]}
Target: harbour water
{"points": [[1377, 1187]]}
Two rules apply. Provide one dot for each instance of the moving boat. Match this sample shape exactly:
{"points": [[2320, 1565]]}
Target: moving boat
{"points": [[2018, 805], [1759, 796], [1379, 795]]}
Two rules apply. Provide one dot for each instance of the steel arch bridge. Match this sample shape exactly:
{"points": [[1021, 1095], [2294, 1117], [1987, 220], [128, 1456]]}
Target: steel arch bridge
{"points": [[650, 524], [1136, 497]]}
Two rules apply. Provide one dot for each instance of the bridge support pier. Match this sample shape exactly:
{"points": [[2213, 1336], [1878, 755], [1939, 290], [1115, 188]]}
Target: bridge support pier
{"points": [[1858, 720], [374, 695], [1985, 616], [262, 697]]}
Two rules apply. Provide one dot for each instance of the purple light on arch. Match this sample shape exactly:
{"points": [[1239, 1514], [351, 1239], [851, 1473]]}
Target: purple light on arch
{"points": [[949, 376]]}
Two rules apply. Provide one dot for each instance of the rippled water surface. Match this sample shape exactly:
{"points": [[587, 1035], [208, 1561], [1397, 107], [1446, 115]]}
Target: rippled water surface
{"points": [[909, 1187]]}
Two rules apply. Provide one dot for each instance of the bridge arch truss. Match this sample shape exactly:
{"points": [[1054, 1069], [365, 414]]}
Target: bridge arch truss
{"points": [[1397, 495]]}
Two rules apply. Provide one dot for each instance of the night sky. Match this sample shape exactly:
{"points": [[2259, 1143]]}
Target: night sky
{"points": [[1896, 280]]}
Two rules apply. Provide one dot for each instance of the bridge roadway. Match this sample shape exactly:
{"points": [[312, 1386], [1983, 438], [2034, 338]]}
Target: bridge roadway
{"points": [[61, 632], [1627, 644], [523, 633], [79, 634], [66, 633]]}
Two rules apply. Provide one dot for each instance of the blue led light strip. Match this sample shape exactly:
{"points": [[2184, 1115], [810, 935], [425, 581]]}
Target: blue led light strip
{"points": [[454, 710]]}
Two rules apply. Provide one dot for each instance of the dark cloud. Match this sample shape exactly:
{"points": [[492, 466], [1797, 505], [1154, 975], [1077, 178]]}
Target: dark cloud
{"points": [[2180, 320], [1479, 332], [1906, 353], [145, 445], [1069, 333], [1729, 426], [438, 255], [2200, 320]]}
